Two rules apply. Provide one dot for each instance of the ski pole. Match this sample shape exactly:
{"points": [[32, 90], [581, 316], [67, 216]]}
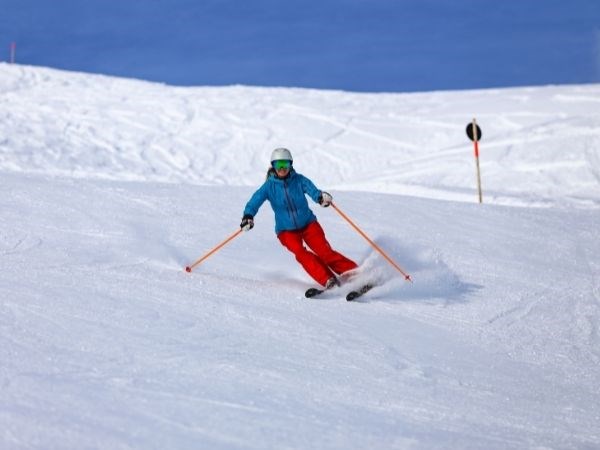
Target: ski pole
{"points": [[214, 250], [373, 244]]}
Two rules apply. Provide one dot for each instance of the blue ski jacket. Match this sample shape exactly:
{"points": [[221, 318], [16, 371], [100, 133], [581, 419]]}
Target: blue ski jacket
{"points": [[288, 200]]}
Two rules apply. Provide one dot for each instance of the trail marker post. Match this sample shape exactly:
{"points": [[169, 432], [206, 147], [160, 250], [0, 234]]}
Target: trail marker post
{"points": [[474, 133], [13, 52]]}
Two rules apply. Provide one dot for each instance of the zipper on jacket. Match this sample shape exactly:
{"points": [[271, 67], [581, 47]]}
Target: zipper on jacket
{"points": [[290, 204]]}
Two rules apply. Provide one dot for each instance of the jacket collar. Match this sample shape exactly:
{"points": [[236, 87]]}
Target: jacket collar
{"points": [[273, 176]]}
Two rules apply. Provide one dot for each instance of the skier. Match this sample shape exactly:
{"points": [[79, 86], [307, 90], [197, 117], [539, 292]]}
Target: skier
{"points": [[295, 223]]}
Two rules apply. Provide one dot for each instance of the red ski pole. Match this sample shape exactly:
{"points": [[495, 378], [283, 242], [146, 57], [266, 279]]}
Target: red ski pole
{"points": [[213, 251], [373, 244]]}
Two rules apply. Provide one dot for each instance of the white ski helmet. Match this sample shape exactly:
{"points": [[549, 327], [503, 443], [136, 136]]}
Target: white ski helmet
{"points": [[281, 153]]}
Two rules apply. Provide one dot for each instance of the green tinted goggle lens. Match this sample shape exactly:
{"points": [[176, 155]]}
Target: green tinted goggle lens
{"points": [[282, 164]]}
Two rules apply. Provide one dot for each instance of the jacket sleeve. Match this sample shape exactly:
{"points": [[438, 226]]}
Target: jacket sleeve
{"points": [[256, 201], [309, 188]]}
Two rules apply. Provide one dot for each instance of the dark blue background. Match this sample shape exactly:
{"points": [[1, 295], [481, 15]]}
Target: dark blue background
{"points": [[358, 45]]}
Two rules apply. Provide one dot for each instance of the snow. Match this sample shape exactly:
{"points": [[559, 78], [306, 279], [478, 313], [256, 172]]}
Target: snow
{"points": [[111, 186]]}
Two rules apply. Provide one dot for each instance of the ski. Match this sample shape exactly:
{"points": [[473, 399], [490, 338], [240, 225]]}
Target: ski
{"points": [[313, 292], [353, 295]]}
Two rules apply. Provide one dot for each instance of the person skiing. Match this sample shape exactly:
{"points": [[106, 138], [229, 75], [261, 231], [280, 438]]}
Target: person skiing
{"points": [[295, 223]]}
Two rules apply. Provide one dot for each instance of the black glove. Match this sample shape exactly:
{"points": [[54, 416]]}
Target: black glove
{"points": [[247, 222], [325, 199]]}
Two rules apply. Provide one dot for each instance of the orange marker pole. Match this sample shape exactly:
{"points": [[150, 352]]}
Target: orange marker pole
{"points": [[373, 244], [214, 250], [476, 145]]}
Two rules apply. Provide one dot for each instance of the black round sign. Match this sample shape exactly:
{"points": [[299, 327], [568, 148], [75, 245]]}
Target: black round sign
{"points": [[470, 131]]}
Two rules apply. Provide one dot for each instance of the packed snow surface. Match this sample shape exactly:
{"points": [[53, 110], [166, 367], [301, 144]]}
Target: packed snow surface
{"points": [[110, 187]]}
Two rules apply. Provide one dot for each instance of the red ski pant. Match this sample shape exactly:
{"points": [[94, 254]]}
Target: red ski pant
{"points": [[322, 261]]}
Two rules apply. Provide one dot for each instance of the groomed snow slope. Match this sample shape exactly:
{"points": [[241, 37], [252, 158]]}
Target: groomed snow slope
{"points": [[107, 343]]}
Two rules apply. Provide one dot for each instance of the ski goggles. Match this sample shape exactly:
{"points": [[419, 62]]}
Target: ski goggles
{"points": [[281, 164]]}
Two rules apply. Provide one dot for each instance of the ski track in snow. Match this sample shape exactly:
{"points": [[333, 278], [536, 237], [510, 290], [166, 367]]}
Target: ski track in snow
{"points": [[106, 342]]}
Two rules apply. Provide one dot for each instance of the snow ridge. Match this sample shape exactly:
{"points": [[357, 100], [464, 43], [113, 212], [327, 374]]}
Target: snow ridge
{"points": [[540, 146]]}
